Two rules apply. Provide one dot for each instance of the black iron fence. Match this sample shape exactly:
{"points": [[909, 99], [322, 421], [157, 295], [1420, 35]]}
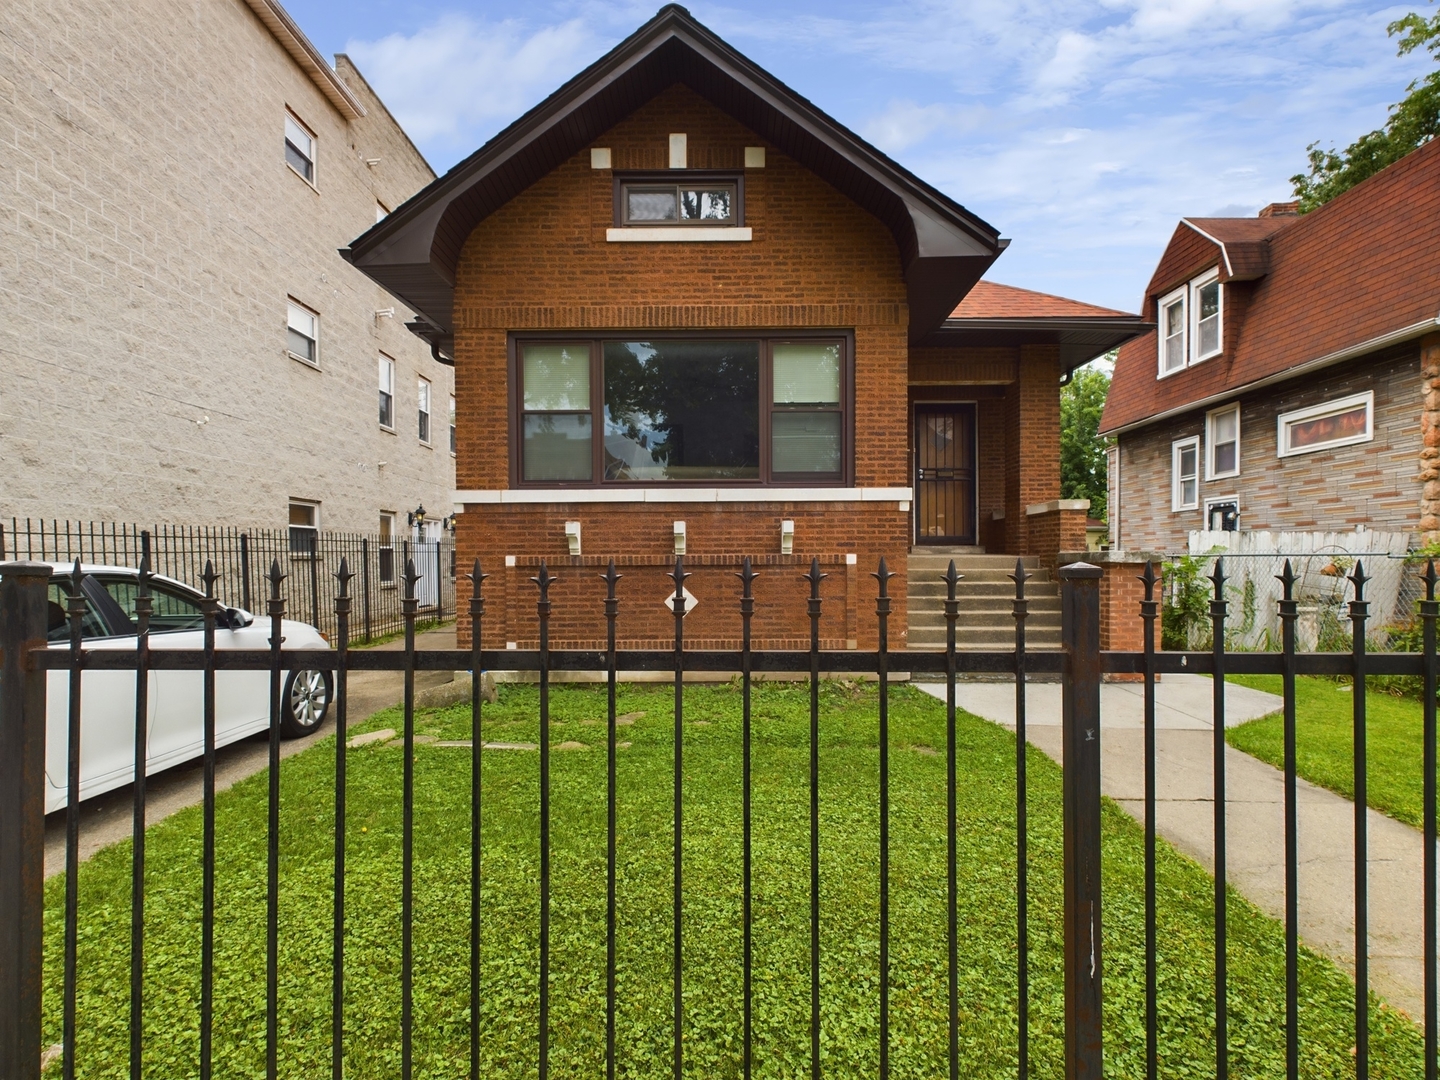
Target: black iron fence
{"points": [[1079, 664], [241, 556]]}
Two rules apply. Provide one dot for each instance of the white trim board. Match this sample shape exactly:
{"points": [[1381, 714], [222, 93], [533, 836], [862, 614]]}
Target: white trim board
{"points": [[678, 234], [531, 496]]}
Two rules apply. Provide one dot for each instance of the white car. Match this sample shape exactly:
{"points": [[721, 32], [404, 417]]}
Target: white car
{"points": [[176, 701]]}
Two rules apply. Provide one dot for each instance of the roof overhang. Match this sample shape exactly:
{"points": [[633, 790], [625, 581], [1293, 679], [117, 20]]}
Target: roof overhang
{"points": [[1381, 341], [944, 249], [286, 31], [1080, 339]]}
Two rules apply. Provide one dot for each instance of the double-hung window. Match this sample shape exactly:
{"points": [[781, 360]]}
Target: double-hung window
{"points": [[299, 149], [304, 528], [1173, 332], [387, 393], [302, 333], [1222, 443], [671, 409], [453, 443], [1205, 303], [1185, 474], [386, 548], [1336, 423], [1191, 327], [424, 427]]}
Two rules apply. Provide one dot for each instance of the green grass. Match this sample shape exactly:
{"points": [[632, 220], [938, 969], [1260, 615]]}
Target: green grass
{"points": [[712, 941], [1324, 742]]}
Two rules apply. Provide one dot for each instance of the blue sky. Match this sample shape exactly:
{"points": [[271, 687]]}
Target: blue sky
{"points": [[1082, 129]]}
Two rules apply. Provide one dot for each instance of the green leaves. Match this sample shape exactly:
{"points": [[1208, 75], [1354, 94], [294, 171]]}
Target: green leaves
{"points": [[1082, 450]]}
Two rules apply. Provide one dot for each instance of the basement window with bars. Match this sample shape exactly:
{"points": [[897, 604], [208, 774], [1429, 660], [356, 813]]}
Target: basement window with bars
{"points": [[671, 409]]}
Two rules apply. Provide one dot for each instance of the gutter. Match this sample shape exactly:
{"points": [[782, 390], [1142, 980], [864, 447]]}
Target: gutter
{"points": [[1393, 337], [286, 31]]}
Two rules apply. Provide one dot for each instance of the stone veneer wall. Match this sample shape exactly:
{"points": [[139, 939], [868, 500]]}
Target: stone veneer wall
{"points": [[1377, 484], [151, 231], [1430, 439]]}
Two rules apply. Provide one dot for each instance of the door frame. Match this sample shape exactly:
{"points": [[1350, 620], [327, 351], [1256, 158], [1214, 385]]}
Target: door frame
{"points": [[915, 406]]}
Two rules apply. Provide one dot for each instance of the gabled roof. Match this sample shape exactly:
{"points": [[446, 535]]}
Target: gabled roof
{"points": [[1243, 243], [995, 314], [413, 253], [1354, 276]]}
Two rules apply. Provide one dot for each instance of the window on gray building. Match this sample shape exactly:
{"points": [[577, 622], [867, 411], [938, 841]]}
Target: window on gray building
{"points": [[299, 149], [387, 393], [425, 410], [302, 335]]}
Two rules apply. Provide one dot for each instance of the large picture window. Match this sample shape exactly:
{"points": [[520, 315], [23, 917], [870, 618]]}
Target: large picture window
{"points": [[1324, 427], [651, 409]]}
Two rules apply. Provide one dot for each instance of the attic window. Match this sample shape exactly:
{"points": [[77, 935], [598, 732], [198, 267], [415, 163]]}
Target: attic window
{"points": [[698, 201], [1191, 323]]}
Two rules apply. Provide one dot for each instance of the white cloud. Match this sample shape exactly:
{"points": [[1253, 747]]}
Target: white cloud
{"points": [[461, 75], [903, 123]]}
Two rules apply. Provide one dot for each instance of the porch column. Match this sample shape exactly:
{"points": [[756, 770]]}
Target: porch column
{"points": [[1032, 473]]}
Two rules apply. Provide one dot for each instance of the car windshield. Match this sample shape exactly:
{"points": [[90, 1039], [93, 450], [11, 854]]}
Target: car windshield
{"points": [[171, 609], [91, 625]]}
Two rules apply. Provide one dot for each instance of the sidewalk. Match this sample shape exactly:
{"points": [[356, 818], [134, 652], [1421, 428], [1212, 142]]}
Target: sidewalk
{"points": [[1255, 821], [106, 819]]}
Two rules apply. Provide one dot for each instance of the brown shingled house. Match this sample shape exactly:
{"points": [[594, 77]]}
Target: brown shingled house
{"points": [[1292, 382], [689, 312]]}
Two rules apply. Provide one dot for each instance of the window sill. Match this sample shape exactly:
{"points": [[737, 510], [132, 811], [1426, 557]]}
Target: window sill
{"points": [[388, 430], [1222, 476], [313, 365], [682, 494], [678, 234], [308, 183]]}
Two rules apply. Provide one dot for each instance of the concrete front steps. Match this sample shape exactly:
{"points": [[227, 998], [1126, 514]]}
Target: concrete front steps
{"points": [[985, 593]]}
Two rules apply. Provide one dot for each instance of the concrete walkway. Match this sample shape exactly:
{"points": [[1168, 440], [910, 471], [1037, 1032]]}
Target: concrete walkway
{"points": [[1255, 821], [106, 819]]}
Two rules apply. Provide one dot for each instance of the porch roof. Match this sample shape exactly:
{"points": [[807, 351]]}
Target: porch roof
{"points": [[414, 251], [994, 314]]}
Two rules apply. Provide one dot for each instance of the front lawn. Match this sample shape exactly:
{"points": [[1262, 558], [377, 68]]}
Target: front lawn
{"points": [[1324, 743], [712, 939]]}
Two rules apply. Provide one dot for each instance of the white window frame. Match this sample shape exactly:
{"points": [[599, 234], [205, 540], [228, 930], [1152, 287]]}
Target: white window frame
{"points": [[292, 306], [1220, 500], [1207, 278], [453, 444], [1182, 297], [385, 372], [1339, 405], [313, 505], [1211, 473], [386, 544], [313, 155], [425, 407], [1177, 502]]}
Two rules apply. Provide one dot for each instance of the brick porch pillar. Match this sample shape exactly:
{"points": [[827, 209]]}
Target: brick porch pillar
{"points": [[1430, 439], [1121, 628], [1032, 438]]}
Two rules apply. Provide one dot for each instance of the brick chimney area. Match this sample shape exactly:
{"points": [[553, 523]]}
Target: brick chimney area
{"points": [[1281, 209]]}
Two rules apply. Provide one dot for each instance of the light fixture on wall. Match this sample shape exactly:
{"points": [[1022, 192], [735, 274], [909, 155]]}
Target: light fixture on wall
{"points": [[448, 523], [417, 516]]}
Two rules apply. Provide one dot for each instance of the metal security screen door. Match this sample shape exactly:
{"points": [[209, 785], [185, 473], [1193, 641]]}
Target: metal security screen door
{"points": [[945, 474]]}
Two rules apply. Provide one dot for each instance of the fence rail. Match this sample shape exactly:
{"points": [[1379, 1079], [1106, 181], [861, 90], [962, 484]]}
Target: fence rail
{"points": [[240, 556], [1080, 663]]}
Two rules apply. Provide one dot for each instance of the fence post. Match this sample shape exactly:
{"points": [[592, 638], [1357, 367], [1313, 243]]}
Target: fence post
{"points": [[365, 582], [245, 571], [1080, 716], [23, 622]]}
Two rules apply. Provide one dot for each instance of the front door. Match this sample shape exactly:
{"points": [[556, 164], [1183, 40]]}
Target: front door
{"points": [[945, 474]]}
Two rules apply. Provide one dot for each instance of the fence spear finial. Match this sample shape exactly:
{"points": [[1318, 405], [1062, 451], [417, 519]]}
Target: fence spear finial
{"points": [[1286, 577], [209, 577], [1430, 579], [343, 576]]}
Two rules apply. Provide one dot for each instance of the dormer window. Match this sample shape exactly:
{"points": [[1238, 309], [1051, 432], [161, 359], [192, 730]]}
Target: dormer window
{"points": [[1190, 327]]}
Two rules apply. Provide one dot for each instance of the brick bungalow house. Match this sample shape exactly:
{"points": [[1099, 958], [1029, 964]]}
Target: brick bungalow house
{"points": [[689, 312], [1293, 380]]}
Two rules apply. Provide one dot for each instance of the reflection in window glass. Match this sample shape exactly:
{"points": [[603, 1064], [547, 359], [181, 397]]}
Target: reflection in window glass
{"points": [[807, 374], [682, 410], [556, 446], [661, 203], [643, 205], [1173, 319], [557, 377], [1208, 314], [1339, 426], [805, 442]]}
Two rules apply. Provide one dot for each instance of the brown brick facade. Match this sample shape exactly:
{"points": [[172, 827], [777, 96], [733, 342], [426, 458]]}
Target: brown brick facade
{"points": [[816, 261], [1377, 484]]}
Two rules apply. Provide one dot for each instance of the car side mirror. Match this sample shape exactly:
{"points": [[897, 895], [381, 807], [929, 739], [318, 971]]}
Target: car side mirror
{"points": [[235, 618]]}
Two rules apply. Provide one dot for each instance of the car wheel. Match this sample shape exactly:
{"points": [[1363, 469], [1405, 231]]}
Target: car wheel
{"points": [[305, 702]]}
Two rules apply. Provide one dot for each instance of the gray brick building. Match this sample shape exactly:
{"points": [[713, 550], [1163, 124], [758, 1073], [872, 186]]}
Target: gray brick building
{"points": [[182, 341]]}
